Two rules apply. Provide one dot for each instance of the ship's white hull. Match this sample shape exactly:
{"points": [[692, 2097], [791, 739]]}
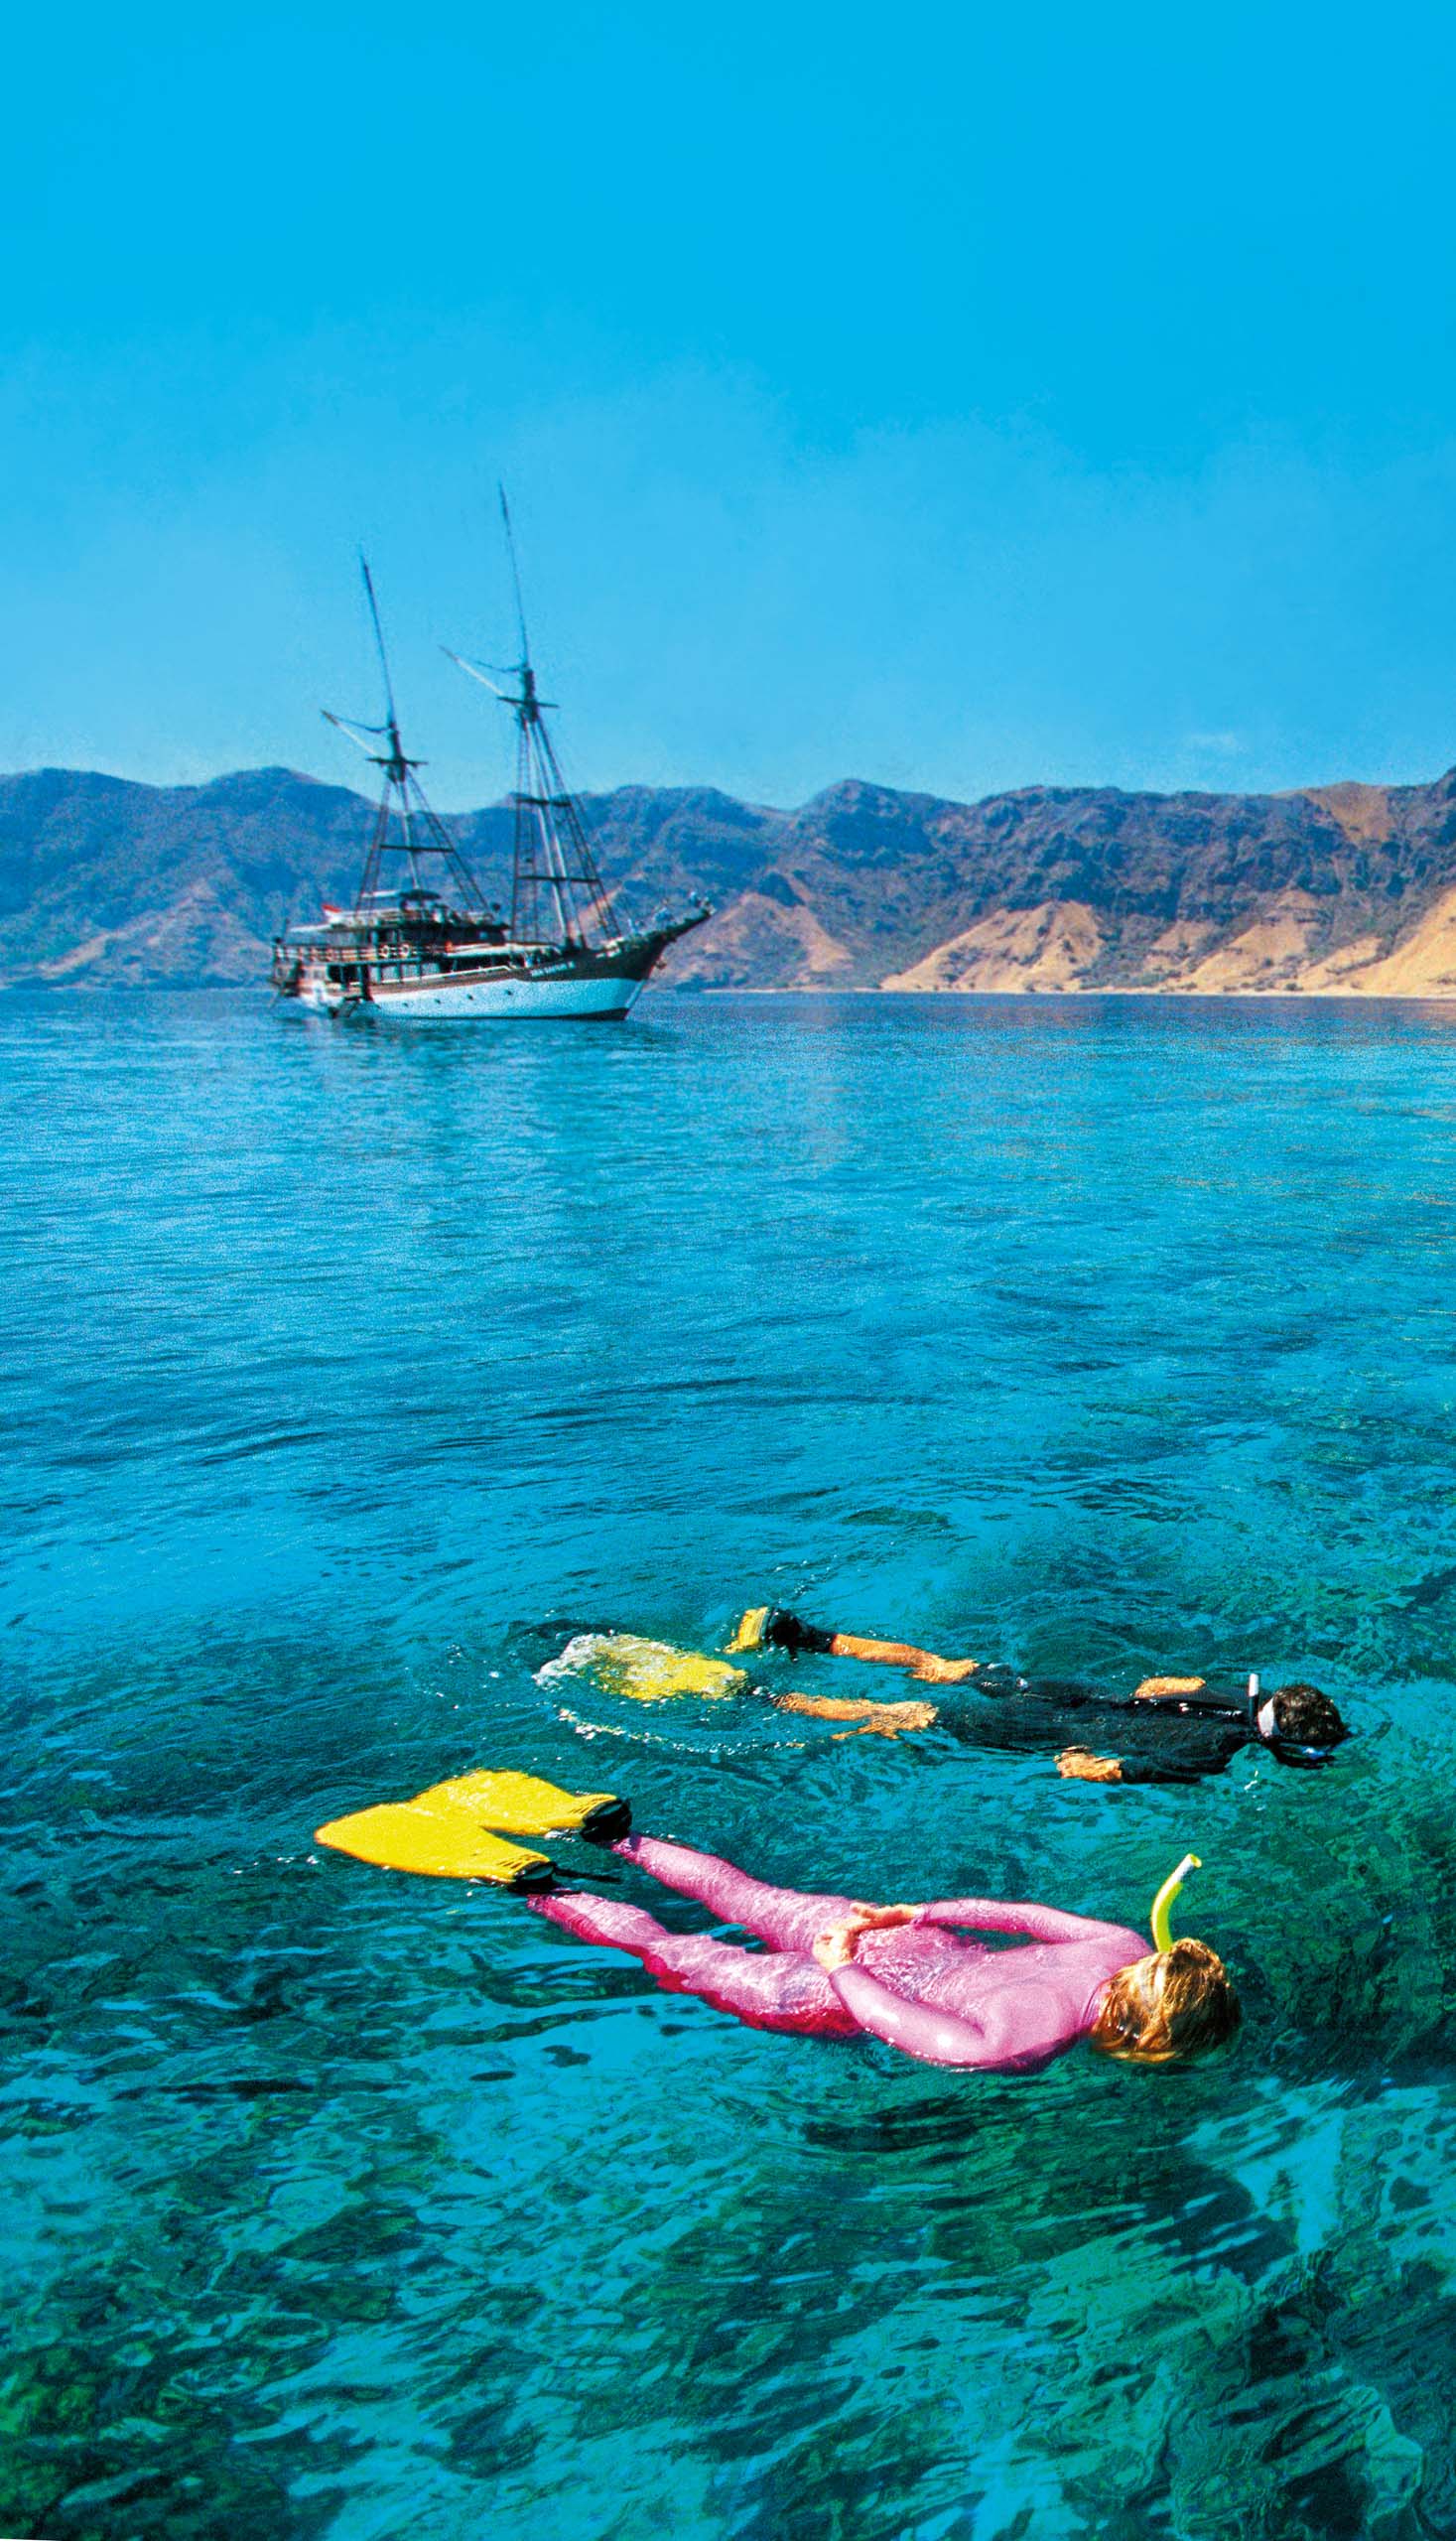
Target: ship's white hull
{"points": [[493, 999]]}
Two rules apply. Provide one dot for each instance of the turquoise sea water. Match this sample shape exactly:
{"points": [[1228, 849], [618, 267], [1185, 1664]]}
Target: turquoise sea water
{"points": [[341, 1377]]}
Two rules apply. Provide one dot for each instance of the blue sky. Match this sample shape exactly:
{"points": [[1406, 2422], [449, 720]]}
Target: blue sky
{"points": [[952, 397]]}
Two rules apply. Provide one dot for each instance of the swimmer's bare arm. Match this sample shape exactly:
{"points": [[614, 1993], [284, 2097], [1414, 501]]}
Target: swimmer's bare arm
{"points": [[877, 1721], [1078, 1764], [925, 1665]]}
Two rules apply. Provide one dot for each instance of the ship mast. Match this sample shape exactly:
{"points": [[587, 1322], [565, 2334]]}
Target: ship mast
{"points": [[402, 805], [556, 889]]}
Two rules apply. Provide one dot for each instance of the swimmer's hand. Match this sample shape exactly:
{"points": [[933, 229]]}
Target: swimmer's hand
{"points": [[890, 1718], [835, 1948], [1079, 1765], [1167, 1690], [930, 1671]]}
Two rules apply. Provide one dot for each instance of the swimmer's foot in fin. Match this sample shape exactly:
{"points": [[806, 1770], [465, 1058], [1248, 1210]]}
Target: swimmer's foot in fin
{"points": [[647, 1671], [458, 1830], [774, 1628], [524, 1804], [749, 1632], [441, 1843]]}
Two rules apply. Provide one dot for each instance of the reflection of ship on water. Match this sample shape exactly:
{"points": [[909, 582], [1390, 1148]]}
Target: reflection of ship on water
{"points": [[415, 953]]}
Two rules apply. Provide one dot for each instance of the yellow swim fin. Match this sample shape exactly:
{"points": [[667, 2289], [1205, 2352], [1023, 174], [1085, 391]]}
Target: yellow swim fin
{"points": [[445, 1843], [652, 1671], [749, 1634], [524, 1804]]}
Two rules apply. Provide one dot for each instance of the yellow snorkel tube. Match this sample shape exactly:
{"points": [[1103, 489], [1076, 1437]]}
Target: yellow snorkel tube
{"points": [[1162, 1904]]}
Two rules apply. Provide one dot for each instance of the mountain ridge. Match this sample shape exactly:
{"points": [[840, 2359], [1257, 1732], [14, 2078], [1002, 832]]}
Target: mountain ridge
{"points": [[1347, 889]]}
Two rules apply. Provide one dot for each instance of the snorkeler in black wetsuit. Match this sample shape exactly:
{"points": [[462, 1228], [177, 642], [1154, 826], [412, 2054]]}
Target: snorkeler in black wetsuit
{"points": [[1151, 1738], [1171, 1730]]}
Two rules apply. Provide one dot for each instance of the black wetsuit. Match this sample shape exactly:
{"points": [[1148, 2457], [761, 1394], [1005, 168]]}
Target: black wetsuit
{"points": [[1155, 1738]]}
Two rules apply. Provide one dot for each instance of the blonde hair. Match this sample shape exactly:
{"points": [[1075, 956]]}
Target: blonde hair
{"points": [[1175, 2002]]}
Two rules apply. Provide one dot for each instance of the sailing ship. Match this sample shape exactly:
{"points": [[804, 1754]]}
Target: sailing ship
{"points": [[429, 945]]}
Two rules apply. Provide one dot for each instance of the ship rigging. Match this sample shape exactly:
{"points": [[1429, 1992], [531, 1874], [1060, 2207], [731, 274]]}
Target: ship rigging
{"points": [[410, 951]]}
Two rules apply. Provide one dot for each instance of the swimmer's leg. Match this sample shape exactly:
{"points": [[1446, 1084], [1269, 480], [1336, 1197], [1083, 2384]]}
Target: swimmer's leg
{"points": [[764, 1988], [790, 1918]]}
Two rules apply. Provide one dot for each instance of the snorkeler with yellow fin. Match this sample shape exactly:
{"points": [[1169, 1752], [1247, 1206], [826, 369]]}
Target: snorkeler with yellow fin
{"points": [[1169, 1729], [916, 1976]]}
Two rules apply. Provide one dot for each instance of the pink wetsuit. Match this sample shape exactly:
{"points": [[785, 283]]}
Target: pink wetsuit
{"points": [[923, 1987]]}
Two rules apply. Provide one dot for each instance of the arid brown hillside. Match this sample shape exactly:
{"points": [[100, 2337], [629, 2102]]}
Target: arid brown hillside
{"points": [[1346, 889]]}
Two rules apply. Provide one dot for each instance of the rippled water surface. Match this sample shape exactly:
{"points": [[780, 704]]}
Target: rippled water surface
{"points": [[342, 1377]]}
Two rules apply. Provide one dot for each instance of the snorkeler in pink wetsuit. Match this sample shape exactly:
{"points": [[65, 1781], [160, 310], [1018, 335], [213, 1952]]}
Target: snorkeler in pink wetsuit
{"points": [[911, 1975]]}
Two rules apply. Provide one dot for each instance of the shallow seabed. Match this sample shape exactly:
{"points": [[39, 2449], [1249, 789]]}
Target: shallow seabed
{"points": [[342, 1374]]}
